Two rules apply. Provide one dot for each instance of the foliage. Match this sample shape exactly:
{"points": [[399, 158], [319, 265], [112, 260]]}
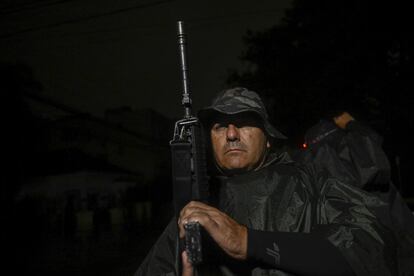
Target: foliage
{"points": [[328, 56]]}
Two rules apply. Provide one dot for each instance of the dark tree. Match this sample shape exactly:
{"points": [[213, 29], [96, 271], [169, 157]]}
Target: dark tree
{"points": [[19, 141], [19, 127], [327, 56]]}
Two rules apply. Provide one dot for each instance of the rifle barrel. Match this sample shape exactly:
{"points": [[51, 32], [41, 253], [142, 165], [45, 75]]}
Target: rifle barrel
{"points": [[182, 41]]}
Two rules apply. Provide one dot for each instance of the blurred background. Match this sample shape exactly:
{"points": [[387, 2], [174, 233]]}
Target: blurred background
{"points": [[90, 91]]}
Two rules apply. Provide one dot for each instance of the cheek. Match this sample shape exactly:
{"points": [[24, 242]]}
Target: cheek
{"points": [[214, 140], [257, 144], [253, 141], [216, 145]]}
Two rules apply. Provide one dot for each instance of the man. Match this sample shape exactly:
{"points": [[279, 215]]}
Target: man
{"points": [[352, 152], [349, 150], [271, 216]]}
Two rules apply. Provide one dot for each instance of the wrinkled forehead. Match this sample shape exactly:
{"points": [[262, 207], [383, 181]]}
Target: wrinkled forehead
{"points": [[239, 119]]}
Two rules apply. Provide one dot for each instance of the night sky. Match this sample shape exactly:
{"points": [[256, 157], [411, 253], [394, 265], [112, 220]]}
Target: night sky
{"points": [[93, 56]]}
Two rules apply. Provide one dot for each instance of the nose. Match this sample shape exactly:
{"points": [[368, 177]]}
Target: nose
{"points": [[232, 133]]}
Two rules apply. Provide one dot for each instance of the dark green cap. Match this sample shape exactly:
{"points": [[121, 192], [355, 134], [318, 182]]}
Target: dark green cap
{"points": [[237, 100]]}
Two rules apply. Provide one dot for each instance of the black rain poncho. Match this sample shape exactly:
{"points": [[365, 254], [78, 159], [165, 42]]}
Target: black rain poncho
{"points": [[283, 196], [355, 156]]}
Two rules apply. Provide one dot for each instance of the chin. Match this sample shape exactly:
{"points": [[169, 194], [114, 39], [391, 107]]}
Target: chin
{"points": [[237, 168], [235, 164]]}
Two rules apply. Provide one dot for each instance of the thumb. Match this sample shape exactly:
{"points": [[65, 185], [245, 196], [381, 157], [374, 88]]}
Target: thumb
{"points": [[187, 267]]}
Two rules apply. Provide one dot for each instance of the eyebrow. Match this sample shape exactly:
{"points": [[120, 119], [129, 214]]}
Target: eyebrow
{"points": [[239, 122]]}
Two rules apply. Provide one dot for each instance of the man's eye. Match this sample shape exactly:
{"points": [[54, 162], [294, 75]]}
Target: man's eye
{"points": [[218, 127]]}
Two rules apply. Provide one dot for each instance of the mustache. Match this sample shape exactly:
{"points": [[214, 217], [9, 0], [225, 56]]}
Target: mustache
{"points": [[231, 145]]}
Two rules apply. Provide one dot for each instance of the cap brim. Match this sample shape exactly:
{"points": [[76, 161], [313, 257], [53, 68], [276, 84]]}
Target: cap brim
{"points": [[208, 113]]}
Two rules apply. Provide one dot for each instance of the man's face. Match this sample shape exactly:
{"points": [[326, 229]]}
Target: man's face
{"points": [[239, 143]]}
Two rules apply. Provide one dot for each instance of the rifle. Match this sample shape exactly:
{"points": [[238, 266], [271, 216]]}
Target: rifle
{"points": [[189, 173]]}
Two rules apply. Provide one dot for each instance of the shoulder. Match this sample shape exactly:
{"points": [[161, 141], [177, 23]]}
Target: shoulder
{"points": [[304, 177]]}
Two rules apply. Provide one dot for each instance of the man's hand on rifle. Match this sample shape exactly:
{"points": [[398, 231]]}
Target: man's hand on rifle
{"points": [[226, 232]]}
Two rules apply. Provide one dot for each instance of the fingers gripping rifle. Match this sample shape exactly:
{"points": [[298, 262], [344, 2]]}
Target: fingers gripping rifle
{"points": [[188, 159]]}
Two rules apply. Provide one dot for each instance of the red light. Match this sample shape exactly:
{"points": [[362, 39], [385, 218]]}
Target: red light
{"points": [[304, 145]]}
